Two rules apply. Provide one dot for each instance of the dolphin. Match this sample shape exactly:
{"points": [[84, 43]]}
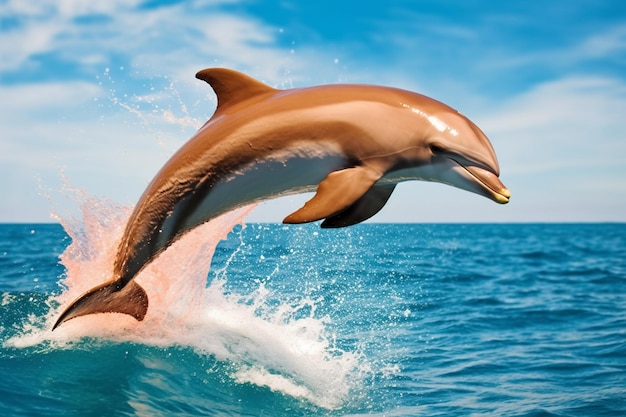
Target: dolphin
{"points": [[350, 143]]}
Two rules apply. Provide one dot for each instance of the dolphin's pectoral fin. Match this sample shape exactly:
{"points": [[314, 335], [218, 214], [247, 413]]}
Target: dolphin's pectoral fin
{"points": [[338, 191], [364, 208], [111, 297]]}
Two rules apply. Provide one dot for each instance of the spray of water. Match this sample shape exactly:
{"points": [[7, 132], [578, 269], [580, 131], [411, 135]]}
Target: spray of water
{"points": [[275, 346], [284, 347]]}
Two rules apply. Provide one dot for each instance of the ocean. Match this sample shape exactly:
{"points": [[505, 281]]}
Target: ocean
{"points": [[293, 320]]}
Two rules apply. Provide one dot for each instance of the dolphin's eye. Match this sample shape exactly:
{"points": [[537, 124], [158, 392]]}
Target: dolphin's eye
{"points": [[436, 148]]}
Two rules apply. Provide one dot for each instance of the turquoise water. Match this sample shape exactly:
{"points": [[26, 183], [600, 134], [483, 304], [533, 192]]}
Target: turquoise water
{"points": [[397, 320]]}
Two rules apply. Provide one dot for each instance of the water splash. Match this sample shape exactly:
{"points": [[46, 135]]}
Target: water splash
{"points": [[159, 102], [283, 347]]}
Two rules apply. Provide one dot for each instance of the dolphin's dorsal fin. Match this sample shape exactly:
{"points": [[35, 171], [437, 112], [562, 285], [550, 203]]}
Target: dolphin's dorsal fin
{"points": [[232, 87]]}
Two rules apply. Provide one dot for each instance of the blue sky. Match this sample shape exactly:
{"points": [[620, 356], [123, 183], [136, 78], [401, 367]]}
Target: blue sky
{"points": [[100, 94]]}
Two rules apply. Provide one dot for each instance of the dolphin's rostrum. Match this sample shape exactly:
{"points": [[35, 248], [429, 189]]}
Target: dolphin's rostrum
{"points": [[350, 143]]}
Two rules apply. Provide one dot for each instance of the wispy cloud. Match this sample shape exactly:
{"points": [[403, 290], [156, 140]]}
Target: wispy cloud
{"points": [[611, 42], [173, 40], [575, 122], [31, 29]]}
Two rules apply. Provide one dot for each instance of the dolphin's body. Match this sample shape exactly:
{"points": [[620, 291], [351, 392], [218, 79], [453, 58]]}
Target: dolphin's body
{"points": [[351, 143]]}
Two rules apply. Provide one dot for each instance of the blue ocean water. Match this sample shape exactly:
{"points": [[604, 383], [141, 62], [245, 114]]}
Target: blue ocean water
{"points": [[376, 319]]}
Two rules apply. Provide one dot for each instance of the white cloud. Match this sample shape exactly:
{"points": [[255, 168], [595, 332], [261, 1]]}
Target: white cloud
{"points": [[20, 98], [576, 122], [607, 43], [173, 41], [18, 46], [44, 26], [38, 121]]}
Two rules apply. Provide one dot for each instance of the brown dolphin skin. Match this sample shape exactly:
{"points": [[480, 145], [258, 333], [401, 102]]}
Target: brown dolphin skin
{"points": [[350, 143]]}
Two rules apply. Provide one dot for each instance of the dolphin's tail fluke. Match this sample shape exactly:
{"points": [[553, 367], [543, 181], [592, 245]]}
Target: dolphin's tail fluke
{"points": [[112, 297]]}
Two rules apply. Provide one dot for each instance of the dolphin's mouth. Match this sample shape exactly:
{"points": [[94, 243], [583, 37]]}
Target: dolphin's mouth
{"points": [[491, 184]]}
